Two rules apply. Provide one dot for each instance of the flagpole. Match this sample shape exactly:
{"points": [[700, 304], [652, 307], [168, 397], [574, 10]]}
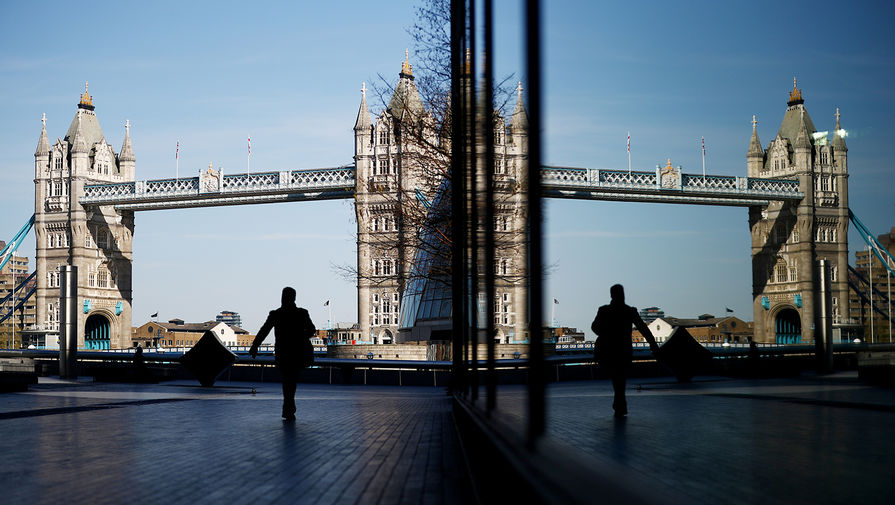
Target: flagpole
{"points": [[629, 152], [249, 157], [177, 162]]}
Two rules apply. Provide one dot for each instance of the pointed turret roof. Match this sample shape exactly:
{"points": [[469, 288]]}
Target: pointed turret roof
{"points": [[127, 149], [364, 120], [406, 98], [519, 121], [78, 144], [803, 138], [43, 145], [839, 135], [90, 129], [754, 144], [796, 114]]}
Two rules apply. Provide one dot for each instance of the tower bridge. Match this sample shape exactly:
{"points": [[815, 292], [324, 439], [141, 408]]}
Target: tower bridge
{"points": [[86, 195]]}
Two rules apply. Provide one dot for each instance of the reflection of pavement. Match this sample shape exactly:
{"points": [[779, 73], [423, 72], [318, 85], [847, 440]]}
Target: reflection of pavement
{"points": [[81, 442], [778, 441]]}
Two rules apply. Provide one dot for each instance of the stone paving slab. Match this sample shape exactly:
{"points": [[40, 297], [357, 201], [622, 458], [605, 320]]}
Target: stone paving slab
{"points": [[80, 442], [812, 440]]}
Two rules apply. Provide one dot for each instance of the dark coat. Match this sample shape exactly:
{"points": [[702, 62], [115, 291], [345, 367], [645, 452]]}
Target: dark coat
{"points": [[293, 330], [613, 325]]}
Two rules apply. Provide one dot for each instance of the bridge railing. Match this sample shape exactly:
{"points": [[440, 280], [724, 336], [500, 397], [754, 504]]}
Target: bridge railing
{"points": [[338, 178], [622, 180]]}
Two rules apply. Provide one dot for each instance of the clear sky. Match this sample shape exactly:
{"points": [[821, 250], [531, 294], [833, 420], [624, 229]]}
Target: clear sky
{"points": [[289, 74]]}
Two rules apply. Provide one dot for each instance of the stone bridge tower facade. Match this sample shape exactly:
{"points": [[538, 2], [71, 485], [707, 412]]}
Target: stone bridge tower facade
{"points": [[402, 159], [97, 240], [789, 238]]}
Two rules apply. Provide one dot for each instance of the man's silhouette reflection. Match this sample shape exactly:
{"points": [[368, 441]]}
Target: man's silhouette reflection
{"points": [[293, 351], [613, 348]]}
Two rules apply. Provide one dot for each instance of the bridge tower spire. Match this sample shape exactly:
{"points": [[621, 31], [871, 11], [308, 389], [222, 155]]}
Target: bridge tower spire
{"points": [[97, 241], [789, 237]]}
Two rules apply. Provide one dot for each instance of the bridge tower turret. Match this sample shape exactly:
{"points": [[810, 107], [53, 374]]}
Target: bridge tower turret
{"points": [[96, 240], [788, 238]]}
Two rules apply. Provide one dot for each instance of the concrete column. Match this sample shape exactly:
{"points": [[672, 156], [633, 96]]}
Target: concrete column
{"points": [[823, 337], [68, 321]]}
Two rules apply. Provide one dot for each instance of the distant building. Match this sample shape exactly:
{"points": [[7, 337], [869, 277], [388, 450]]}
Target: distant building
{"points": [[344, 333], [650, 314], [177, 333], [859, 292], [15, 272], [229, 317], [706, 329], [565, 335]]}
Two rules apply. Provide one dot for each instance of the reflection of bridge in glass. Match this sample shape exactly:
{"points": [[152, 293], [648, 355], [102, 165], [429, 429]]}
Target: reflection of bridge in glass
{"points": [[340, 182]]}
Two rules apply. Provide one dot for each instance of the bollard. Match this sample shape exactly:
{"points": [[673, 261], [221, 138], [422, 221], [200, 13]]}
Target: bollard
{"points": [[68, 321], [823, 336]]}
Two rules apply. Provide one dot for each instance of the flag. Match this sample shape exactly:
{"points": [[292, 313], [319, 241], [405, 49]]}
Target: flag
{"points": [[177, 151], [703, 147], [326, 304], [154, 315], [629, 142], [728, 309], [555, 301], [250, 145]]}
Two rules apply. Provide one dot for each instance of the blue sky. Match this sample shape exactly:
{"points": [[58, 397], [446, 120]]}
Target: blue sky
{"points": [[211, 73]]}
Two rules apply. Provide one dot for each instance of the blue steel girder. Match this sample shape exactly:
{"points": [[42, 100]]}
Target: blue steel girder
{"points": [[220, 190], [339, 183], [621, 185]]}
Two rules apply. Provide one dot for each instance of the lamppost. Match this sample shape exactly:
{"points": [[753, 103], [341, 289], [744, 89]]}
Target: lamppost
{"points": [[13, 313]]}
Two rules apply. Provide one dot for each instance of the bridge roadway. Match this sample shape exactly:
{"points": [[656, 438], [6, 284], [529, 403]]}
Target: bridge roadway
{"points": [[805, 439], [340, 182]]}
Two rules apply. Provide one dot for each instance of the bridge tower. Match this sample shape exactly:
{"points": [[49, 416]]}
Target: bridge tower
{"points": [[97, 240], [401, 160], [788, 238]]}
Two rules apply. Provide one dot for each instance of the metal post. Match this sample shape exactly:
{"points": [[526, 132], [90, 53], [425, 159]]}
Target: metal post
{"points": [[490, 291], [68, 321], [537, 378], [870, 280], [13, 314], [823, 337], [473, 193], [458, 172]]}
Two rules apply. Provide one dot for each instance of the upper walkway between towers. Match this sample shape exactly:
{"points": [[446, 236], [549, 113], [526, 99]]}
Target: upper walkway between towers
{"points": [[665, 185], [808, 439]]}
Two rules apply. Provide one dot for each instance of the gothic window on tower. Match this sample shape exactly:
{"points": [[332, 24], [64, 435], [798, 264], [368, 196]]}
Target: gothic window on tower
{"points": [[824, 158], [780, 233], [102, 279], [781, 272], [57, 161], [834, 273], [383, 136], [375, 224], [825, 183], [103, 239], [91, 279]]}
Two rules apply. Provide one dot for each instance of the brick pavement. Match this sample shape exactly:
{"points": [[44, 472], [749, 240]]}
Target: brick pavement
{"points": [[809, 439], [83, 442]]}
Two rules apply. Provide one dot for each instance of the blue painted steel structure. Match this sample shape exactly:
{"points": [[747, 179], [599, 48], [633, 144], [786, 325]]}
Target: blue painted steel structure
{"points": [[13, 245]]}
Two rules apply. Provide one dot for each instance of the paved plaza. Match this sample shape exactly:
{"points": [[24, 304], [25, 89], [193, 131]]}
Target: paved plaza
{"points": [[86, 442], [809, 439], [774, 441]]}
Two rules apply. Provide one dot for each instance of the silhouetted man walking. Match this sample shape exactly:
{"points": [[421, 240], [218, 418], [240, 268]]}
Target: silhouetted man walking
{"points": [[293, 351], [613, 348]]}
